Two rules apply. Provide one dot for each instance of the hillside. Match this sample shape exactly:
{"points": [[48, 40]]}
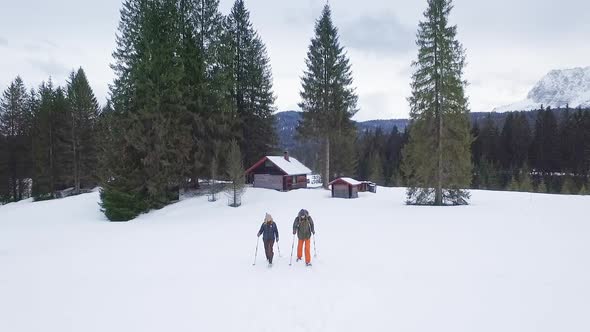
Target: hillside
{"points": [[508, 262]]}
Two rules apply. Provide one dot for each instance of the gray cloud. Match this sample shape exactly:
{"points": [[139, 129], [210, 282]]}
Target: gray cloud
{"points": [[382, 34], [49, 66]]}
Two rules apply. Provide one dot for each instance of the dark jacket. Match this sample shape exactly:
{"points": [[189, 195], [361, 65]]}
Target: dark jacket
{"points": [[269, 231], [304, 227]]}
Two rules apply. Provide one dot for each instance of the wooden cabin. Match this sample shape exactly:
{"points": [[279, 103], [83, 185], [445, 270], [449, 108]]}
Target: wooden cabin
{"points": [[345, 188], [278, 172]]}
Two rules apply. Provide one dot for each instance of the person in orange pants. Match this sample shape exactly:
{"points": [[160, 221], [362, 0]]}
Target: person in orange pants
{"points": [[303, 226]]}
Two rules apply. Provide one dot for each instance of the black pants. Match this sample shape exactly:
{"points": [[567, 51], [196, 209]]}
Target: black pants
{"points": [[268, 245]]}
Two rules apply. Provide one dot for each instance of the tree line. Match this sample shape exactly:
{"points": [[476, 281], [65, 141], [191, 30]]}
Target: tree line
{"points": [[192, 93], [48, 139], [551, 154], [546, 150]]}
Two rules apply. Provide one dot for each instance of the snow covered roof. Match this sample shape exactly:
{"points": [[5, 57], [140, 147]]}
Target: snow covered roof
{"points": [[291, 167], [350, 181]]}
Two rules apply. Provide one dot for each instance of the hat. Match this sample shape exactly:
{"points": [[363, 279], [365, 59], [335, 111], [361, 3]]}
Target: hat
{"points": [[267, 218]]}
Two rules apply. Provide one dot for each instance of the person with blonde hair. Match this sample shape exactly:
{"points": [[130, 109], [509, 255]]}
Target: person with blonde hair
{"points": [[270, 234]]}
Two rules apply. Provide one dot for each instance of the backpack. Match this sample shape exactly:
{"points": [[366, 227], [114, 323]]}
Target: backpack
{"points": [[304, 231]]}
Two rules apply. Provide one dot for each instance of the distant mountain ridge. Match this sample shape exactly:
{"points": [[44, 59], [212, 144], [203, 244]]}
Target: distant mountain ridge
{"points": [[286, 127], [559, 88]]}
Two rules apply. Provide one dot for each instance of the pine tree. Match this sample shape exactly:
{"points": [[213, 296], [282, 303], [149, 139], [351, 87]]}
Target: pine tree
{"points": [[153, 140], [583, 190], [569, 186], [63, 155], [52, 143], [4, 177], [526, 183], [214, 172], [545, 147], [15, 115], [84, 110], [376, 170], [513, 185], [252, 85], [490, 138], [343, 161], [235, 173], [43, 138], [328, 98], [542, 187], [193, 86], [437, 159]]}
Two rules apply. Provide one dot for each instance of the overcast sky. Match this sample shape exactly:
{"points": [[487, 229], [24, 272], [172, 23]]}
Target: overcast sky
{"points": [[510, 44]]}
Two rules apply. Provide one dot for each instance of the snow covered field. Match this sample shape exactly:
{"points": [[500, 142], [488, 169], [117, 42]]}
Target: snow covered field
{"points": [[509, 262]]}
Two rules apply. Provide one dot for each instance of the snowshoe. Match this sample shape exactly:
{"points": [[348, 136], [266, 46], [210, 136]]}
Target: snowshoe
{"points": [[307, 264], [298, 259]]}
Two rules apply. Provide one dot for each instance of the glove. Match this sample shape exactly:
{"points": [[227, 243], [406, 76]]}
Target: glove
{"points": [[258, 235], [313, 232], [277, 240], [294, 232]]}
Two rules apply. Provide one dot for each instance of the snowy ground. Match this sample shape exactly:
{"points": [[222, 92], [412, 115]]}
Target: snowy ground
{"points": [[509, 262]]}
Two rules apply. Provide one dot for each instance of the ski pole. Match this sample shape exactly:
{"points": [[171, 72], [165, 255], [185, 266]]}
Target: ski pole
{"points": [[256, 253], [292, 246], [315, 253], [279, 249]]}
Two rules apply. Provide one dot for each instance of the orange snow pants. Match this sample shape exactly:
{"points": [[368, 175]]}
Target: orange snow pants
{"points": [[307, 250]]}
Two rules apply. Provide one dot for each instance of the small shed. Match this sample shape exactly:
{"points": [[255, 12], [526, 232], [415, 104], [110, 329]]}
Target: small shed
{"points": [[345, 188], [367, 186], [278, 172]]}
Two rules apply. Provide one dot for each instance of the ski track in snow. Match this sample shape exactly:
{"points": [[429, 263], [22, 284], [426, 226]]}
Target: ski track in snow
{"points": [[508, 262]]}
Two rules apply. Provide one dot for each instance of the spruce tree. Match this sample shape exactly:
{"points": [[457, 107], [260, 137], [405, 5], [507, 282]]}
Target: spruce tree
{"points": [[542, 187], [252, 84], [328, 98], [63, 154], [153, 138], [52, 143], [526, 183], [235, 174], [84, 112], [43, 142], [569, 186], [4, 177], [513, 185], [545, 147], [15, 128], [376, 170], [437, 158]]}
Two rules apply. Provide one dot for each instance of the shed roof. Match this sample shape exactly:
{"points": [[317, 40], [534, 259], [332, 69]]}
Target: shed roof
{"points": [[350, 181], [290, 167]]}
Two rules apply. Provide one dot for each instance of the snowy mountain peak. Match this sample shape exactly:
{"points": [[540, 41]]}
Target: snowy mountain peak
{"points": [[556, 89]]}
